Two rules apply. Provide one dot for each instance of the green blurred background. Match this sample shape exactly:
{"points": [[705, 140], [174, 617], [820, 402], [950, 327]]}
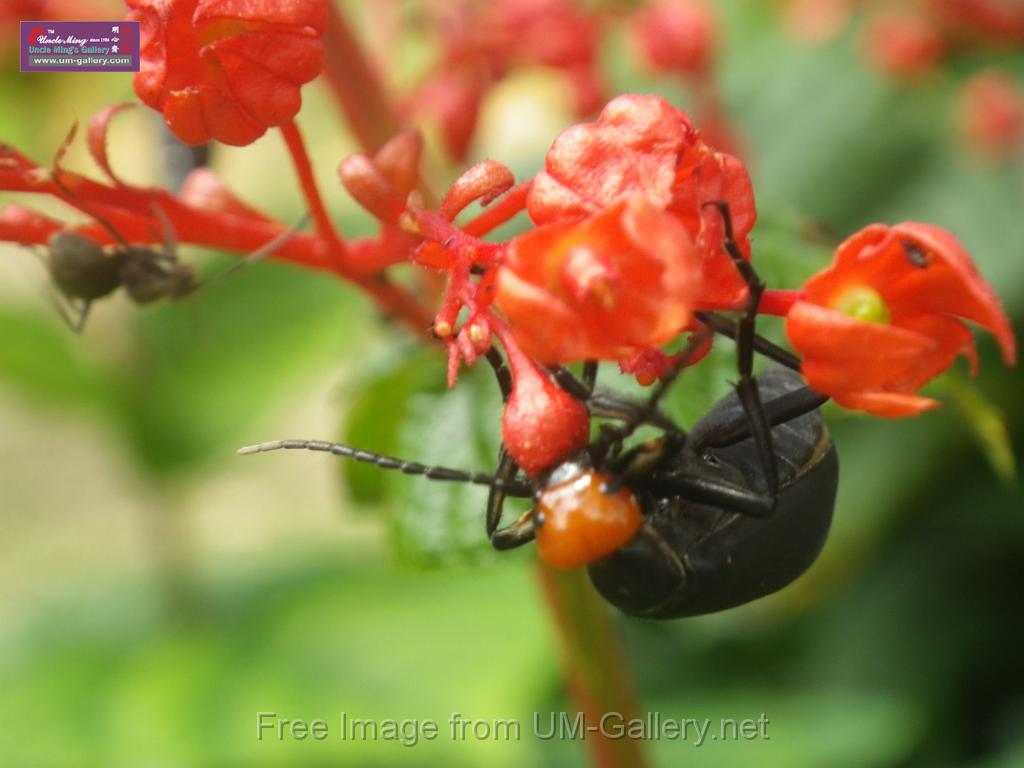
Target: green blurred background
{"points": [[156, 591]]}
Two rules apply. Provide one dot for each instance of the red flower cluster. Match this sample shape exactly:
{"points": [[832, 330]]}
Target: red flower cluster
{"points": [[907, 39], [642, 145], [628, 211], [627, 246], [903, 42], [227, 69], [481, 42]]}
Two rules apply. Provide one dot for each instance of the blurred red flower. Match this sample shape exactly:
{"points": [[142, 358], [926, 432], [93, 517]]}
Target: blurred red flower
{"points": [[482, 42], [602, 288], [884, 319], [903, 42], [676, 35], [227, 69], [992, 113]]}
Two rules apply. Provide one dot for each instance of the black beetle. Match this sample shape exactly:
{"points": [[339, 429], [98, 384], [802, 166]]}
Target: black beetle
{"points": [[692, 558]]}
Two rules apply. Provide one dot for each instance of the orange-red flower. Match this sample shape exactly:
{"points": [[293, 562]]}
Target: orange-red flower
{"points": [[227, 69], [676, 35], [601, 288], [903, 42], [885, 318], [643, 145], [992, 113]]}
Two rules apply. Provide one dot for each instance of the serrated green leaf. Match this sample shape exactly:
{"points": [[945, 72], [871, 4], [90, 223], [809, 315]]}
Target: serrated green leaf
{"points": [[438, 523]]}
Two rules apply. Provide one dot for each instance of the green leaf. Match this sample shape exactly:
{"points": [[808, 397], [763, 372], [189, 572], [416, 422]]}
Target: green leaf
{"points": [[205, 368], [436, 523], [986, 423], [378, 406]]}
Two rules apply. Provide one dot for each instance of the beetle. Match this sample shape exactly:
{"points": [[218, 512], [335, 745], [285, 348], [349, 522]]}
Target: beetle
{"points": [[685, 524], [697, 555], [705, 532]]}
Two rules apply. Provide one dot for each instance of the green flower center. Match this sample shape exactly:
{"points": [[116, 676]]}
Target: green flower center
{"points": [[863, 303]]}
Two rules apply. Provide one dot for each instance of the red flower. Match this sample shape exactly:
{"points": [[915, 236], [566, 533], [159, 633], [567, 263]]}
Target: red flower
{"points": [[883, 320], [903, 43], [603, 288], [816, 21], [992, 113], [676, 35], [995, 19], [644, 145], [227, 69], [482, 42]]}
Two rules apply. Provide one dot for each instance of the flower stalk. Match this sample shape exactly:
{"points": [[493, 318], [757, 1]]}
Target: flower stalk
{"points": [[597, 673]]}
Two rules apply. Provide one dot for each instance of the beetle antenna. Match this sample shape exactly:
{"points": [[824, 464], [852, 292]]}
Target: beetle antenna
{"points": [[509, 487], [260, 253]]}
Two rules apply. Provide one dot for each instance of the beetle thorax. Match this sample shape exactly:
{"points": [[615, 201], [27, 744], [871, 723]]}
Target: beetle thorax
{"points": [[580, 519]]}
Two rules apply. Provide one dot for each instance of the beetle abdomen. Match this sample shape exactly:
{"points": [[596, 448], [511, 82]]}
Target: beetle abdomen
{"points": [[690, 559]]}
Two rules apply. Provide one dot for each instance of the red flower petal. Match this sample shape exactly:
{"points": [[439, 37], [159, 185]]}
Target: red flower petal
{"points": [[948, 284], [20, 225], [96, 136], [602, 288], [643, 145]]}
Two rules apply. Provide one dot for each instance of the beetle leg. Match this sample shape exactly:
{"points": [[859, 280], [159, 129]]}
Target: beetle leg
{"points": [[65, 308], [649, 407], [783, 408], [761, 345], [520, 532], [746, 326], [168, 236], [82, 315], [611, 407], [718, 493], [506, 472], [259, 254], [568, 382], [501, 372], [507, 468]]}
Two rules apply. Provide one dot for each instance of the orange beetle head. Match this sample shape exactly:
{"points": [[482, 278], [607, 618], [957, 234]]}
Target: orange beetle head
{"points": [[579, 520]]}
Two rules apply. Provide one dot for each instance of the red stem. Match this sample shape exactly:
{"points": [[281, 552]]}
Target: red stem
{"points": [[355, 85], [778, 303], [597, 674], [304, 170]]}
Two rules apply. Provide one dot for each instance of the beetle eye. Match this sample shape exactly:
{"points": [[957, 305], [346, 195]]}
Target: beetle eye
{"points": [[710, 458]]}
